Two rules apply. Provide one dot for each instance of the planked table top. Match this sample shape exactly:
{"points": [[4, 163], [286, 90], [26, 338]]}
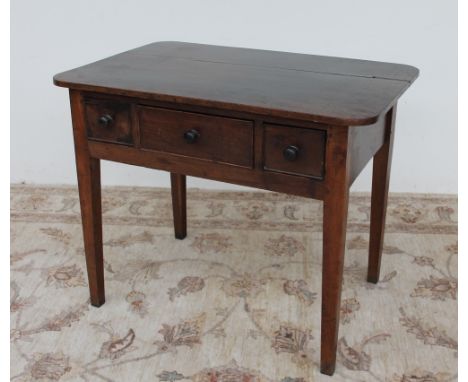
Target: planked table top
{"points": [[332, 90]]}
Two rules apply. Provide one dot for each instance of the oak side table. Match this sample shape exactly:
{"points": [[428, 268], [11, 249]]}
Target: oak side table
{"points": [[293, 123]]}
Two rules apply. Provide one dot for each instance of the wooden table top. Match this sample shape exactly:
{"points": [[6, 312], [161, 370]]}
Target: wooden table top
{"points": [[324, 89]]}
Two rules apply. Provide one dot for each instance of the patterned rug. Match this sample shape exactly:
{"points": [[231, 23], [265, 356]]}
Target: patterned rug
{"points": [[238, 300]]}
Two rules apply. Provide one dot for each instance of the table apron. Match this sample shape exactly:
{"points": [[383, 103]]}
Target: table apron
{"points": [[251, 177]]}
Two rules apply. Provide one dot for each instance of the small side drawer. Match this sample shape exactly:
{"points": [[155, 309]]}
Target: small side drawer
{"points": [[108, 121], [214, 138], [294, 150]]}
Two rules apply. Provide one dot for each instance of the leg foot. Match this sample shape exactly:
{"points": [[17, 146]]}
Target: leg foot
{"points": [[98, 304]]}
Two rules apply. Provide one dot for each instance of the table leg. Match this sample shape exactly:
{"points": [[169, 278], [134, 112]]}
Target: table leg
{"points": [[179, 204], [335, 213], [380, 182], [89, 186]]}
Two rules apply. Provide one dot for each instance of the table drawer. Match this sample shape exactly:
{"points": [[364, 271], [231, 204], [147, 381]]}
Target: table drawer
{"points": [[218, 139], [294, 150], [108, 121]]}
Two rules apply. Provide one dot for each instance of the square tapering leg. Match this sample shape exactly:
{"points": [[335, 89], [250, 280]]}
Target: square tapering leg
{"points": [[179, 204], [335, 213], [334, 238], [89, 186], [380, 183]]}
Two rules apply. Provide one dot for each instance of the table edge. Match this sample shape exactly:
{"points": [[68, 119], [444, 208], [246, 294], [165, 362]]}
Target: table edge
{"points": [[258, 110]]}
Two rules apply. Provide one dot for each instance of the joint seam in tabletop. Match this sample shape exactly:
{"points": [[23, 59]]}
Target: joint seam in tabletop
{"points": [[284, 68]]}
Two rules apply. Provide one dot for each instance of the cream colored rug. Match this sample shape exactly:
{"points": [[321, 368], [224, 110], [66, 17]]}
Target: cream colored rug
{"points": [[238, 300]]}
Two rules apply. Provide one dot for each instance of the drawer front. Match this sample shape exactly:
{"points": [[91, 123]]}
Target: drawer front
{"points": [[108, 121], [218, 139], [294, 150]]}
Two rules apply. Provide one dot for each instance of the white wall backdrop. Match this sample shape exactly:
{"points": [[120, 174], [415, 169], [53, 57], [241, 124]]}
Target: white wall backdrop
{"points": [[51, 36]]}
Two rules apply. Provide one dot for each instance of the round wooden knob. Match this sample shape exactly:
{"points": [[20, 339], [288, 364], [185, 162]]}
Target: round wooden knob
{"points": [[191, 136], [105, 120], [291, 153]]}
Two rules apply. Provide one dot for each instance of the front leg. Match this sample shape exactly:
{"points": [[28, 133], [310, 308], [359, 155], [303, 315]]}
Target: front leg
{"points": [[335, 213], [89, 186]]}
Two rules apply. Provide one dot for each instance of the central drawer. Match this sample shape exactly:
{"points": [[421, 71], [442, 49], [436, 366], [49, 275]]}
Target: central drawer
{"points": [[218, 139]]}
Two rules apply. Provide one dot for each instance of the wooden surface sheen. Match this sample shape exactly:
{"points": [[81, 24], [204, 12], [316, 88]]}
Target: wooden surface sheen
{"points": [[234, 115], [315, 88]]}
